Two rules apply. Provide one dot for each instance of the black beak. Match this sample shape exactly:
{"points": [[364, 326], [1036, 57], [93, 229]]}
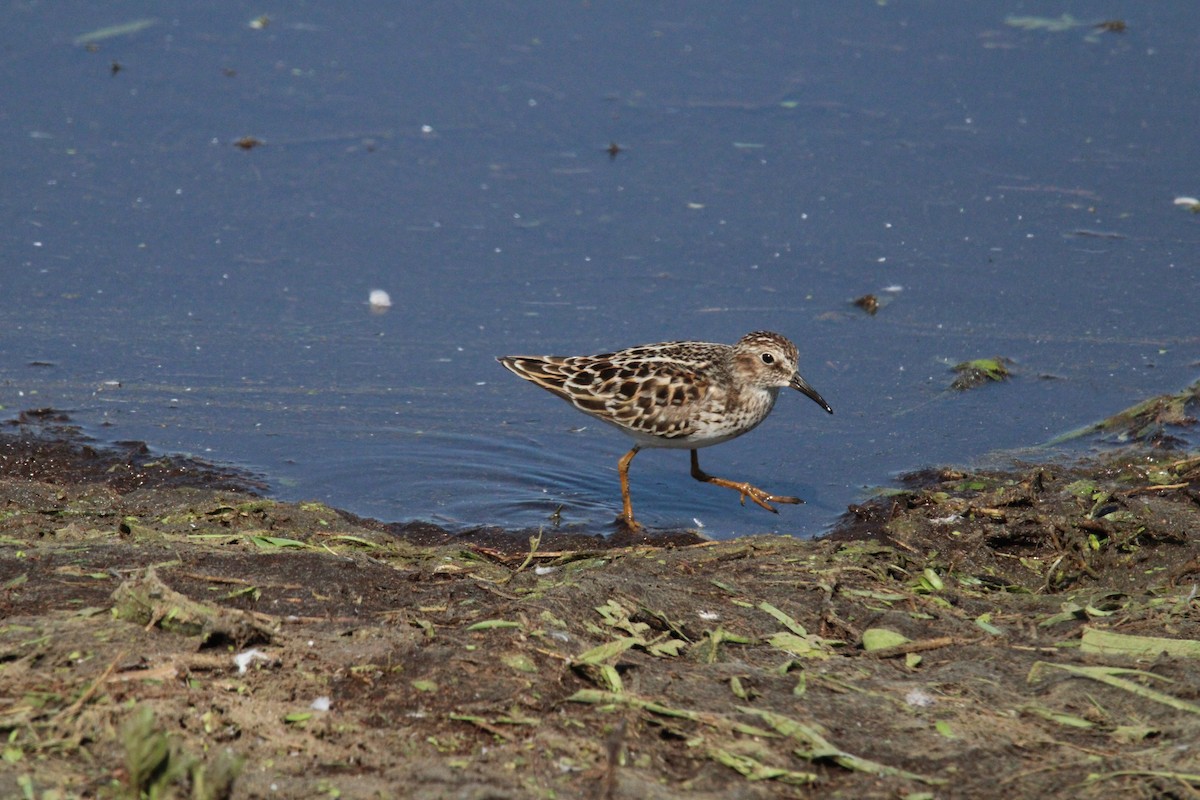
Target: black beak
{"points": [[801, 385]]}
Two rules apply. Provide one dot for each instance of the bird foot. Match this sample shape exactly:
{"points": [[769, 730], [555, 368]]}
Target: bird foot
{"points": [[629, 523], [763, 498], [759, 496]]}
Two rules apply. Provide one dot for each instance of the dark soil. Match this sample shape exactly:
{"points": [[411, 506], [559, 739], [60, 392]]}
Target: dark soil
{"points": [[1026, 634]]}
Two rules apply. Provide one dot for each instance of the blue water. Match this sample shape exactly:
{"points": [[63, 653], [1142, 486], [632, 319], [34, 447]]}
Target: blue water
{"points": [[1006, 191]]}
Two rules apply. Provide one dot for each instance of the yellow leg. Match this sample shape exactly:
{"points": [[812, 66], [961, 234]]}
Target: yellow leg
{"points": [[764, 499], [623, 471]]}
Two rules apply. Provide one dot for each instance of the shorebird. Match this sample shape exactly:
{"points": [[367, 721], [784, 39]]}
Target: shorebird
{"points": [[683, 395]]}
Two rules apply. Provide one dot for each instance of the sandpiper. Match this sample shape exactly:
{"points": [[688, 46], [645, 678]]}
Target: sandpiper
{"points": [[684, 395]]}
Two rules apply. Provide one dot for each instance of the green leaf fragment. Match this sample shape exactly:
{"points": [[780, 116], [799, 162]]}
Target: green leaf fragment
{"points": [[493, 624], [814, 746], [601, 654], [809, 646], [785, 619], [1104, 642], [882, 638], [755, 770]]}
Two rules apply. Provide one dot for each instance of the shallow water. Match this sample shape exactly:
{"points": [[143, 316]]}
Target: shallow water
{"points": [[1005, 191]]}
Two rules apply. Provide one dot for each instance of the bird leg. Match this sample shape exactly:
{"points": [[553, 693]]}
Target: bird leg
{"points": [[623, 471], [744, 489]]}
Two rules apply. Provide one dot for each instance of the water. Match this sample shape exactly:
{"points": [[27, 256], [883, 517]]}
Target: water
{"points": [[1013, 189]]}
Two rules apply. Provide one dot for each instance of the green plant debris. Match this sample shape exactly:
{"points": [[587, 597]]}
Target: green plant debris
{"points": [[156, 765], [814, 747], [145, 600], [519, 662], [665, 647], [881, 639], [617, 616], [252, 593], [755, 770], [1060, 717], [112, 31], [1183, 777], [972, 374], [786, 620], [1132, 734], [16, 582], [482, 723], [1110, 676], [928, 582], [1082, 488], [627, 700], [708, 648], [355, 540], [152, 761], [805, 646], [264, 542], [1106, 643], [1148, 421], [493, 624], [603, 653]]}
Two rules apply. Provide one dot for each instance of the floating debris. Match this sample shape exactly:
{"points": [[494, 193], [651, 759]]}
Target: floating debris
{"points": [[972, 374], [1065, 23], [248, 142], [122, 29], [868, 303], [1097, 234], [1050, 24], [379, 301], [1147, 421], [258, 23], [1190, 203]]}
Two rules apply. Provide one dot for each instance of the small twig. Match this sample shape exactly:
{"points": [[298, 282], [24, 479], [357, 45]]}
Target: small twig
{"points": [[1163, 488], [534, 541], [921, 646], [73, 709], [199, 576]]}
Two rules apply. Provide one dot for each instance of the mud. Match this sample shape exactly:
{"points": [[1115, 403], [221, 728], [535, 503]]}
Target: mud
{"points": [[166, 631]]}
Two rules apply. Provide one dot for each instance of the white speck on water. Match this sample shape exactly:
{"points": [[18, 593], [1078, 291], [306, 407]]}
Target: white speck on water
{"points": [[379, 299]]}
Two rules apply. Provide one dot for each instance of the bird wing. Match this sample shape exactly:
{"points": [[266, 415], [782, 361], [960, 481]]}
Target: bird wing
{"points": [[658, 399]]}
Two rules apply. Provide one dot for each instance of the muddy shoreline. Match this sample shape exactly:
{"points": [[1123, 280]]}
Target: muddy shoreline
{"points": [[168, 629]]}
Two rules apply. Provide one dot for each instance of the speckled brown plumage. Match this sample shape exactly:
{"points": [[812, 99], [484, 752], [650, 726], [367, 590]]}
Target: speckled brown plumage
{"points": [[677, 394]]}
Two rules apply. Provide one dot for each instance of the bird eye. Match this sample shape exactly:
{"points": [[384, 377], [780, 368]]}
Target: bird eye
{"points": [[767, 358]]}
